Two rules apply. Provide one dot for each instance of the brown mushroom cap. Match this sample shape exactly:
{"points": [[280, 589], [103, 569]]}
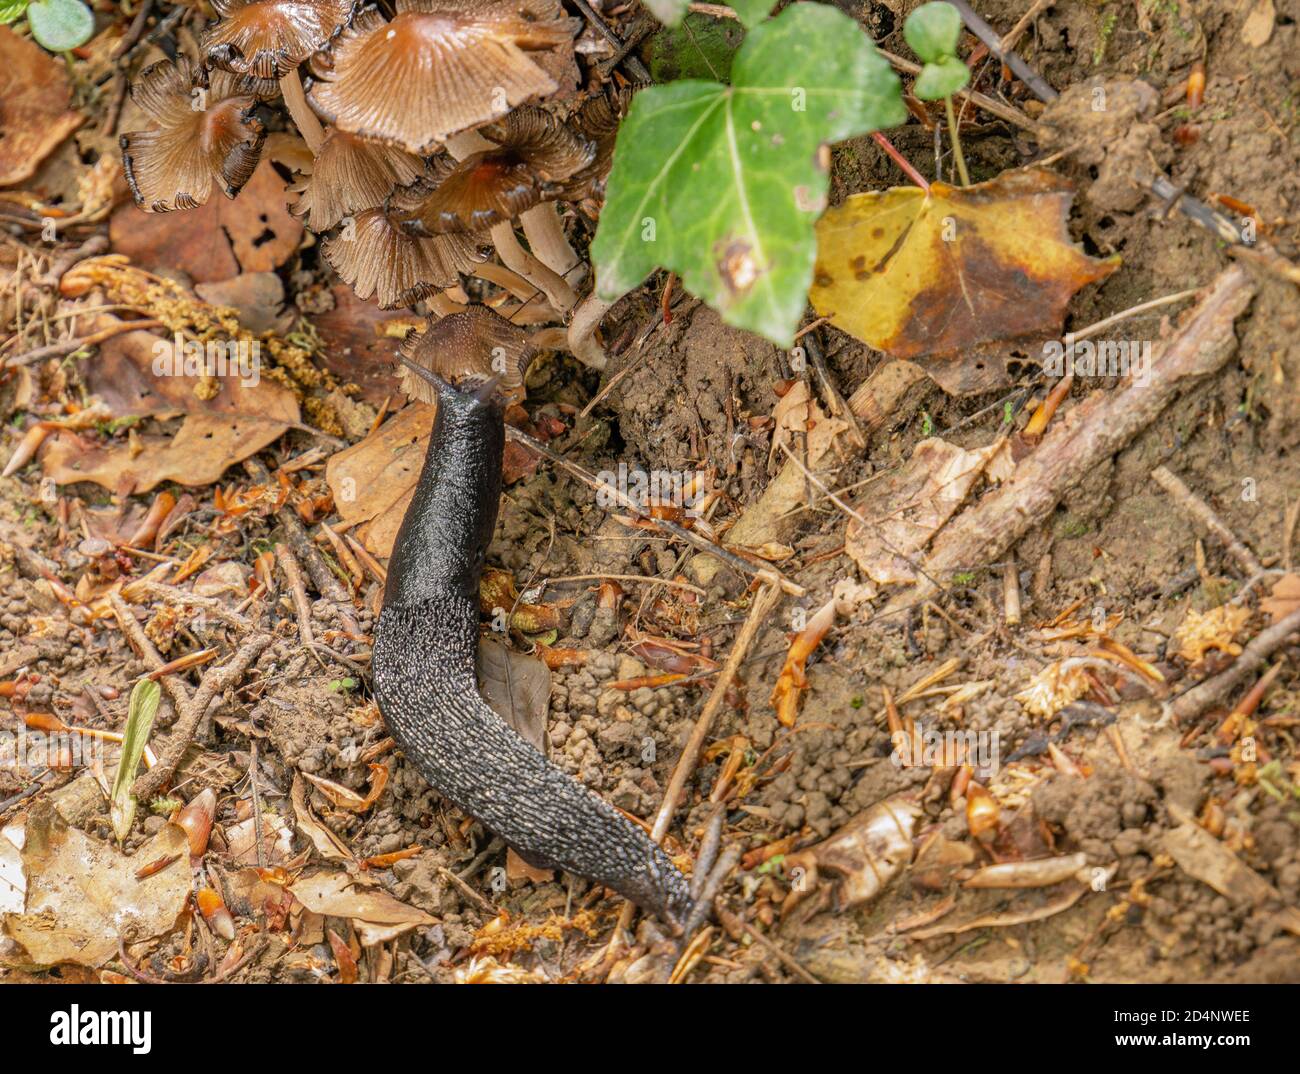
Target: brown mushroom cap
{"points": [[377, 258], [439, 67], [269, 38], [350, 174], [176, 164], [467, 349], [537, 153], [597, 121]]}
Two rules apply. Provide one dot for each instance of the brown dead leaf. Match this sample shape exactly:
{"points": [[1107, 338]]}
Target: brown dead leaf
{"points": [[1258, 27], [912, 507], [257, 298], [346, 798], [255, 232], [1199, 632], [372, 482], [517, 687], [947, 278], [35, 106], [122, 374], [375, 914], [82, 894], [1283, 599], [358, 346], [199, 453], [865, 855]]}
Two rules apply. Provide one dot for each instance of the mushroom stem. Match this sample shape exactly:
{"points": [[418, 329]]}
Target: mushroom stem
{"points": [[554, 286], [545, 233], [582, 331], [510, 282], [557, 290], [300, 111], [443, 304]]}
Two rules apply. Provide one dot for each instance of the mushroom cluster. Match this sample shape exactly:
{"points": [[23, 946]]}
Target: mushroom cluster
{"points": [[428, 140]]}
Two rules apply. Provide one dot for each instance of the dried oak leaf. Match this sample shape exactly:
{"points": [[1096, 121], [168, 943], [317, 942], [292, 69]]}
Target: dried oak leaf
{"points": [[82, 893], [948, 279], [199, 453], [35, 111], [915, 504], [1199, 632]]}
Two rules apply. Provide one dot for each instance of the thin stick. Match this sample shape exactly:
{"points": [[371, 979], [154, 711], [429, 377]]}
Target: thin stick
{"points": [[788, 961], [981, 29], [1203, 513], [990, 104], [621, 578], [214, 682], [144, 648], [1013, 35], [1253, 656], [70, 346], [903, 163]]}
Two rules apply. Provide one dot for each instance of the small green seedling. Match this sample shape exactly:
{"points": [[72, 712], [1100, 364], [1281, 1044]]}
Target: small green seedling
{"points": [[57, 25], [932, 31], [139, 723]]}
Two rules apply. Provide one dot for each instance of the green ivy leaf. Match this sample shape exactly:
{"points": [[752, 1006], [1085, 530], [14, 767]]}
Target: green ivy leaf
{"points": [[722, 184], [12, 10], [669, 12], [932, 31], [60, 25], [701, 47], [941, 79], [752, 12]]}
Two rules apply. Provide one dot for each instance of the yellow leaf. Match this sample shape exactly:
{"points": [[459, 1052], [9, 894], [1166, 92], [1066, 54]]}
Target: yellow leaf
{"points": [[933, 277]]}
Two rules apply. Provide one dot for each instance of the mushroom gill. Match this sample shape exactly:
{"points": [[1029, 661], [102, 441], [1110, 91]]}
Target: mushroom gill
{"points": [[439, 67], [206, 135], [375, 257], [269, 38], [348, 175], [535, 154]]}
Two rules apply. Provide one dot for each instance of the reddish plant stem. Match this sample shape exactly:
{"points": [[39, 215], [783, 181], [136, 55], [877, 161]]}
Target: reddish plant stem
{"points": [[901, 161]]}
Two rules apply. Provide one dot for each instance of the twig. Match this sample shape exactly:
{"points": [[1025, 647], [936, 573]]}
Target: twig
{"points": [[991, 105], [70, 346], [1196, 700], [1097, 428], [1204, 514], [214, 681], [134, 32], [1013, 35], [634, 65], [475, 897], [764, 604], [839, 408], [903, 163], [981, 29], [298, 590], [176, 689], [174, 595], [786, 960]]}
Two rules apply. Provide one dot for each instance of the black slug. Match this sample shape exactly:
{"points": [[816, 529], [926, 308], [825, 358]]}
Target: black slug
{"points": [[424, 679]]}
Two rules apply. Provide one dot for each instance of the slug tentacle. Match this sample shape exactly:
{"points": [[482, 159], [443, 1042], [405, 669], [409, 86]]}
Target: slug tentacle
{"points": [[423, 664]]}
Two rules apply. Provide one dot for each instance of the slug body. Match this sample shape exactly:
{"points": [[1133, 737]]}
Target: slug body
{"points": [[423, 664]]}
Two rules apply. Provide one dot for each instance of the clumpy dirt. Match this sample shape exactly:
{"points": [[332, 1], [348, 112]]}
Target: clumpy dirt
{"points": [[694, 393]]}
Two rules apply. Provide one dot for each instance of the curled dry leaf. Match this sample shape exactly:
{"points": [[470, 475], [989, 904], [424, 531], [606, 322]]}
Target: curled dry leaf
{"points": [[328, 845], [912, 507], [376, 915], [865, 855], [1199, 632], [791, 682], [82, 894], [1028, 874], [346, 798], [37, 114], [946, 278]]}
